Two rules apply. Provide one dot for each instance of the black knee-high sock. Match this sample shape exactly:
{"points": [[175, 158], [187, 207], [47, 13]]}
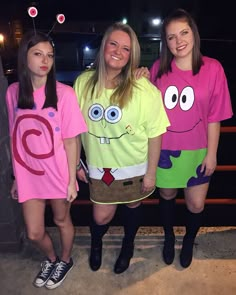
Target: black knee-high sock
{"points": [[193, 224], [97, 232], [167, 215], [132, 219]]}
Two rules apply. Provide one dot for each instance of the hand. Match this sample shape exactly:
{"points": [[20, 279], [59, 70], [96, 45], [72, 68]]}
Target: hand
{"points": [[208, 165], [142, 72], [82, 175], [71, 192], [14, 193], [149, 184]]}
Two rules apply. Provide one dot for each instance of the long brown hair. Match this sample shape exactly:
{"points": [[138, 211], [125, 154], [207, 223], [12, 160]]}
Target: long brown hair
{"points": [[166, 56]]}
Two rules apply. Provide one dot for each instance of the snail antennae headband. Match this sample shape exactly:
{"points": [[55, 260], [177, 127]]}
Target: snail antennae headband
{"points": [[33, 12], [60, 18]]}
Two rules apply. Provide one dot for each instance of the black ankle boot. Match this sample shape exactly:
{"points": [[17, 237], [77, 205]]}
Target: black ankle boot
{"points": [[186, 254], [169, 249], [123, 261], [95, 259]]}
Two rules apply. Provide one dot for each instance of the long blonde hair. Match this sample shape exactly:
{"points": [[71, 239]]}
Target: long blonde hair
{"points": [[123, 92]]}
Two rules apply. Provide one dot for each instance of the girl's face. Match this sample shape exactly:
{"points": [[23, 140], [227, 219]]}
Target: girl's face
{"points": [[180, 39], [40, 59], [117, 51]]}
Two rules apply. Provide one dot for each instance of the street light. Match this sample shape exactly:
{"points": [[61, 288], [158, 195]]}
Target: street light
{"points": [[156, 21], [124, 20]]}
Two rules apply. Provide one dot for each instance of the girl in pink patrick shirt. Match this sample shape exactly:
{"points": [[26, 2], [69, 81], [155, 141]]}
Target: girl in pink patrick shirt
{"points": [[196, 99], [44, 123]]}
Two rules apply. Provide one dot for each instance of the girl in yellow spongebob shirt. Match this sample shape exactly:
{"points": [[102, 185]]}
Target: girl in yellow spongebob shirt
{"points": [[125, 119]]}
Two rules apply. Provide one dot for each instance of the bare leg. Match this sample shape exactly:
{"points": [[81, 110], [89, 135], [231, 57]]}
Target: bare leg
{"points": [[33, 211], [62, 218]]}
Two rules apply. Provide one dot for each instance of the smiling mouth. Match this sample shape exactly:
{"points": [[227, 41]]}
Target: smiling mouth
{"points": [[114, 57], [181, 47], [183, 131]]}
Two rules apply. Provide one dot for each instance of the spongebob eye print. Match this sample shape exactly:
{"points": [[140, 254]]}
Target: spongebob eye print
{"points": [[185, 116], [107, 117], [96, 112], [111, 114]]}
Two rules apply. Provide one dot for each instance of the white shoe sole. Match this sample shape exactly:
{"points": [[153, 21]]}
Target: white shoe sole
{"points": [[39, 285]]}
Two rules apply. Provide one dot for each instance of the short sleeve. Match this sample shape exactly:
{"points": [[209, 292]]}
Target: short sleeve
{"points": [[155, 116], [72, 121], [11, 102], [220, 107]]}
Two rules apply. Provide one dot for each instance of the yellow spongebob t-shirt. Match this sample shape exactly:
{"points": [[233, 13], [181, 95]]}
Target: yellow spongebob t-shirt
{"points": [[118, 138]]}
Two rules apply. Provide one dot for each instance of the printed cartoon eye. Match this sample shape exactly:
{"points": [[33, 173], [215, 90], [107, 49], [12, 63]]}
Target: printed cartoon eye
{"points": [[96, 112], [171, 97], [186, 98], [113, 114]]}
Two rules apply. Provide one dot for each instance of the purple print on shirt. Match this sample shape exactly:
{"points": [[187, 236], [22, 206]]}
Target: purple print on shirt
{"points": [[200, 179], [165, 161]]}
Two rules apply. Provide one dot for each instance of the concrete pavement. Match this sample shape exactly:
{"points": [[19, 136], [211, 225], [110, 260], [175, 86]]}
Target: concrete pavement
{"points": [[212, 272]]}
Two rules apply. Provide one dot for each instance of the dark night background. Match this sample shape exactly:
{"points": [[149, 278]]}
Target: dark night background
{"points": [[214, 18]]}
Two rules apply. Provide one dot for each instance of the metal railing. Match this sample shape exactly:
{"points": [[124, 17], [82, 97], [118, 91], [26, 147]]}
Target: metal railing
{"points": [[211, 201]]}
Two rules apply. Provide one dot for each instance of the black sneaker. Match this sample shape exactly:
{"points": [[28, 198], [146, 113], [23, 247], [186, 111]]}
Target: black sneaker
{"points": [[59, 274], [47, 268]]}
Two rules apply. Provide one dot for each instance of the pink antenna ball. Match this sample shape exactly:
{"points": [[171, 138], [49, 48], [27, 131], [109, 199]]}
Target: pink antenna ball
{"points": [[60, 18], [32, 11]]}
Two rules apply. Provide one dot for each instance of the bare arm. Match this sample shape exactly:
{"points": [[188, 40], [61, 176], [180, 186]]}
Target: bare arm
{"points": [[210, 161], [78, 148], [154, 149], [80, 172], [14, 193], [71, 148]]}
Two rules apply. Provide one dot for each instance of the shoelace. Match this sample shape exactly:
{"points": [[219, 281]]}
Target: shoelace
{"points": [[46, 268], [59, 269]]}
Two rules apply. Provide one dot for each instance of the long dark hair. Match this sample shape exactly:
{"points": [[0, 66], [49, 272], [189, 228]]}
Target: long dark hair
{"points": [[26, 99], [166, 56]]}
